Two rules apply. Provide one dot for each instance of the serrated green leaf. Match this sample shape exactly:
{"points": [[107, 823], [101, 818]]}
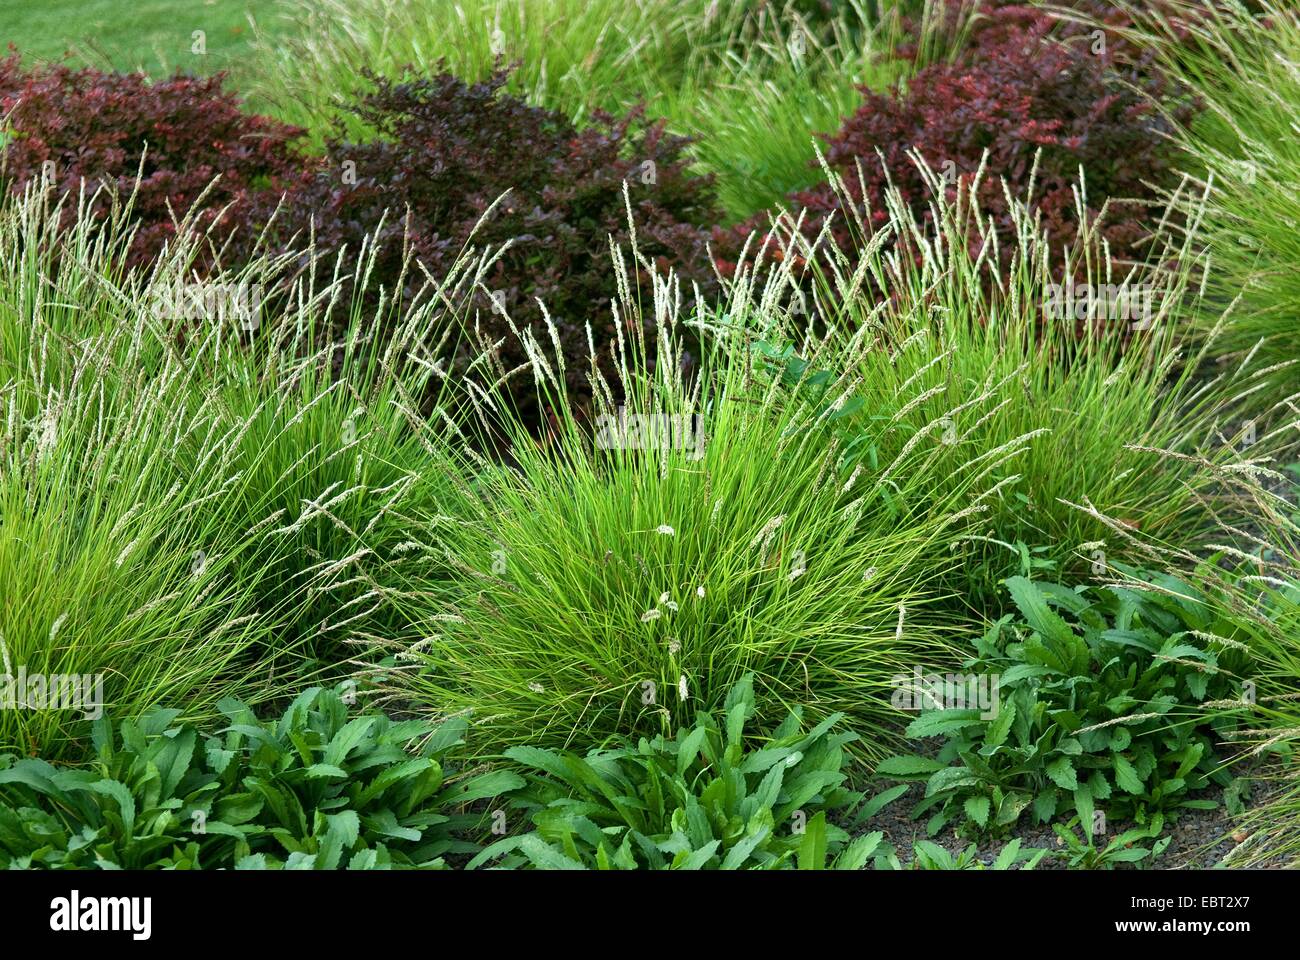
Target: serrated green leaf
{"points": [[938, 723], [998, 730], [909, 767], [1061, 772], [977, 808], [1126, 776]]}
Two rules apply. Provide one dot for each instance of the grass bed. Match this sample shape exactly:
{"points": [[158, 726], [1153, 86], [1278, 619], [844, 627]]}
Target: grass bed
{"points": [[658, 622]]}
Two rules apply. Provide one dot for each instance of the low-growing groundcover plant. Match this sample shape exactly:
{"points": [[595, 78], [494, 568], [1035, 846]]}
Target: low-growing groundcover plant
{"points": [[1100, 705], [709, 800], [697, 800], [928, 855], [324, 787], [1084, 852], [328, 786]]}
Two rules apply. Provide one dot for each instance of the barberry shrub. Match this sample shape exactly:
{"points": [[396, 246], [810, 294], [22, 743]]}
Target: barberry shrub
{"points": [[455, 166], [162, 146], [1024, 104]]}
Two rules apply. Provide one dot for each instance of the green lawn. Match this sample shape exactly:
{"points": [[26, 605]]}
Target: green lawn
{"points": [[157, 36]]}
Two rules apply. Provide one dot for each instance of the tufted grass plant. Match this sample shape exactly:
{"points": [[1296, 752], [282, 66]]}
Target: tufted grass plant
{"points": [[1244, 66], [607, 581], [969, 355], [185, 513]]}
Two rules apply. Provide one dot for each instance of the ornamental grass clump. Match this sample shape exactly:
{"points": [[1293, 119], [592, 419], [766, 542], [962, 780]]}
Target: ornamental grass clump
{"points": [[183, 516], [617, 578], [1049, 393], [1244, 64]]}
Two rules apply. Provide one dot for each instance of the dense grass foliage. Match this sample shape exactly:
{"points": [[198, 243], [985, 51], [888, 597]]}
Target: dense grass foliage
{"points": [[180, 515], [965, 358], [1244, 145], [616, 584]]}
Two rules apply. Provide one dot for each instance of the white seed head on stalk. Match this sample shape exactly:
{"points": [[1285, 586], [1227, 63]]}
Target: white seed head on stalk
{"points": [[857, 471], [800, 566], [49, 433], [765, 535], [126, 552]]}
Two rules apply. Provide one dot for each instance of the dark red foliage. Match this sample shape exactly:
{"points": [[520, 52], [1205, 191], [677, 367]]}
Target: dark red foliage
{"points": [[1020, 88], [99, 127], [445, 151]]}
